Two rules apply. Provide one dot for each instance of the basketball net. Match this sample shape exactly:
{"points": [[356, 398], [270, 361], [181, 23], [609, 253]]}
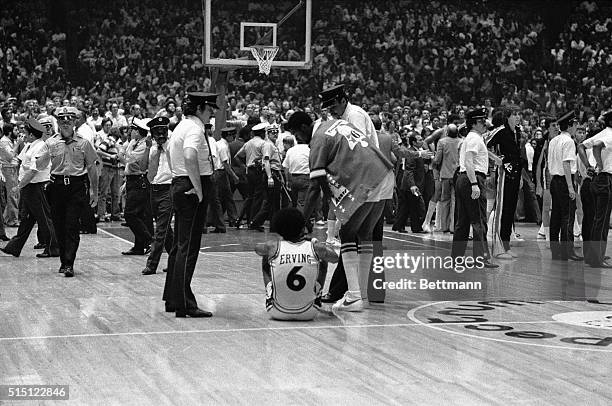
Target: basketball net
{"points": [[264, 57]]}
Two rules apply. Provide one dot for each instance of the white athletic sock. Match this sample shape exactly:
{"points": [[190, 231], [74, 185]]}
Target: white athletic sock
{"points": [[430, 211], [331, 230], [438, 217], [351, 269], [365, 260]]}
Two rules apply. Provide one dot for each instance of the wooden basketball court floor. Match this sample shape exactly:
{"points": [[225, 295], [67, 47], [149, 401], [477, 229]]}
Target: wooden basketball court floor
{"points": [[527, 337]]}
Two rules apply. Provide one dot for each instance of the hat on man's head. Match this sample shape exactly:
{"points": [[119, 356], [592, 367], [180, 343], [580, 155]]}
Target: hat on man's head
{"points": [[45, 119], [199, 98], [66, 111], [228, 130], [477, 114], [329, 96], [260, 127], [159, 122], [35, 127], [140, 125], [566, 119], [169, 100]]}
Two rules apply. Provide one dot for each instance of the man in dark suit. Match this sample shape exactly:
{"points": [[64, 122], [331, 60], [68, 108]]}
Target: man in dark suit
{"points": [[410, 198]]}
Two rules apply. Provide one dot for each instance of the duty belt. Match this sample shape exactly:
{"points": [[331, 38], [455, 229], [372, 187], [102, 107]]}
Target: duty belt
{"points": [[66, 179]]}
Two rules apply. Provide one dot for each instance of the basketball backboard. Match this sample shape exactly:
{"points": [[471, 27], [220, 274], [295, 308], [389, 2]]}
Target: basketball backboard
{"points": [[232, 27]]}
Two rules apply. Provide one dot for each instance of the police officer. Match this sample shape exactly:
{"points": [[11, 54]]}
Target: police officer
{"points": [[253, 154], [470, 198], [274, 179], [160, 177], [192, 170], [224, 177], [599, 194], [137, 204], [73, 162], [562, 165], [33, 204]]}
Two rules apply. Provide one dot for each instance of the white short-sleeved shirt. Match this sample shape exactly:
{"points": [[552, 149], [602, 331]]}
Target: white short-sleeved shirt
{"points": [[361, 119], [86, 132], [189, 133], [474, 142], [296, 160], [605, 136], [215, 153], [223, 151], [35, 156], [163, 175], [561, 149]]}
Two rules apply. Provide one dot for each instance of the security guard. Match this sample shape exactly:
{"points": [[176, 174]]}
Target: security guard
{"points": [[160, 177], [137, 204], [470, 198], [252, 153], [192, 171], [562, 165], [33, 204], [73, 161], [274, 179]]}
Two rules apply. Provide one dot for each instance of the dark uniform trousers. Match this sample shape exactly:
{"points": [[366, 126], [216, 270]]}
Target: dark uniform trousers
{"points": [[588, 209], [601, 191], [87, 218], [299, 190], [189, 218], [224, 196], [137, 211], [34, 208], [512, 182], [253, 184], [68, 196], [470, 212], [161, 205], [271, 199], [562, 212]]}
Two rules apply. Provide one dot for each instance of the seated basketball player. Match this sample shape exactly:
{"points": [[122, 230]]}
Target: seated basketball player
{"points": [[293, 268]]}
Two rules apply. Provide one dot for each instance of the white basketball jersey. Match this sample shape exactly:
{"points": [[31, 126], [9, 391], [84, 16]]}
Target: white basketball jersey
{"points": [[294, 269]]}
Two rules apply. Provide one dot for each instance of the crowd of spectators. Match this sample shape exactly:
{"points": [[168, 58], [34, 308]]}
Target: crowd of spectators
{"points": [[414, 53]]}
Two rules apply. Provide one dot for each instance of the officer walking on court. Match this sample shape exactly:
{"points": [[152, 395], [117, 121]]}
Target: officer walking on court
{"points": [[33, 204], [73, 161], [470, 190], [160, 177]]}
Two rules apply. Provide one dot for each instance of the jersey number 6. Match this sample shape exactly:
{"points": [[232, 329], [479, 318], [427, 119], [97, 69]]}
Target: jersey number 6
{"points": [[295, 281]]}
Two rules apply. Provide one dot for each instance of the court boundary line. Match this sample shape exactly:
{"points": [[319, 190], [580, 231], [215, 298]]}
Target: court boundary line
{"points": [[435, 326], [237, 330]]}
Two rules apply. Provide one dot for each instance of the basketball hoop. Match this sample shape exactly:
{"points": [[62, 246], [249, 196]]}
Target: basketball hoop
{"points": [[264, 56]]}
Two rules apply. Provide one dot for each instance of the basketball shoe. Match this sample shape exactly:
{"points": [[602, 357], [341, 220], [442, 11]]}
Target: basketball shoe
{"points": [[348, 304]]}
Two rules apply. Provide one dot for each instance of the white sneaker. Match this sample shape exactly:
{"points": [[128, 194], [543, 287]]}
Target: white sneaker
{"points": [[541, 236], [347, 305], [427, 228]]}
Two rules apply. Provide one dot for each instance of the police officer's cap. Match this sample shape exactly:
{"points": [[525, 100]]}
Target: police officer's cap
{"points": [[35, 127], [228, 130], [66, 111], [566, 119], [45, 119], [159, 122], [329, 96], [199, 98], [139, 124], [260, 127], [477, 114]]}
